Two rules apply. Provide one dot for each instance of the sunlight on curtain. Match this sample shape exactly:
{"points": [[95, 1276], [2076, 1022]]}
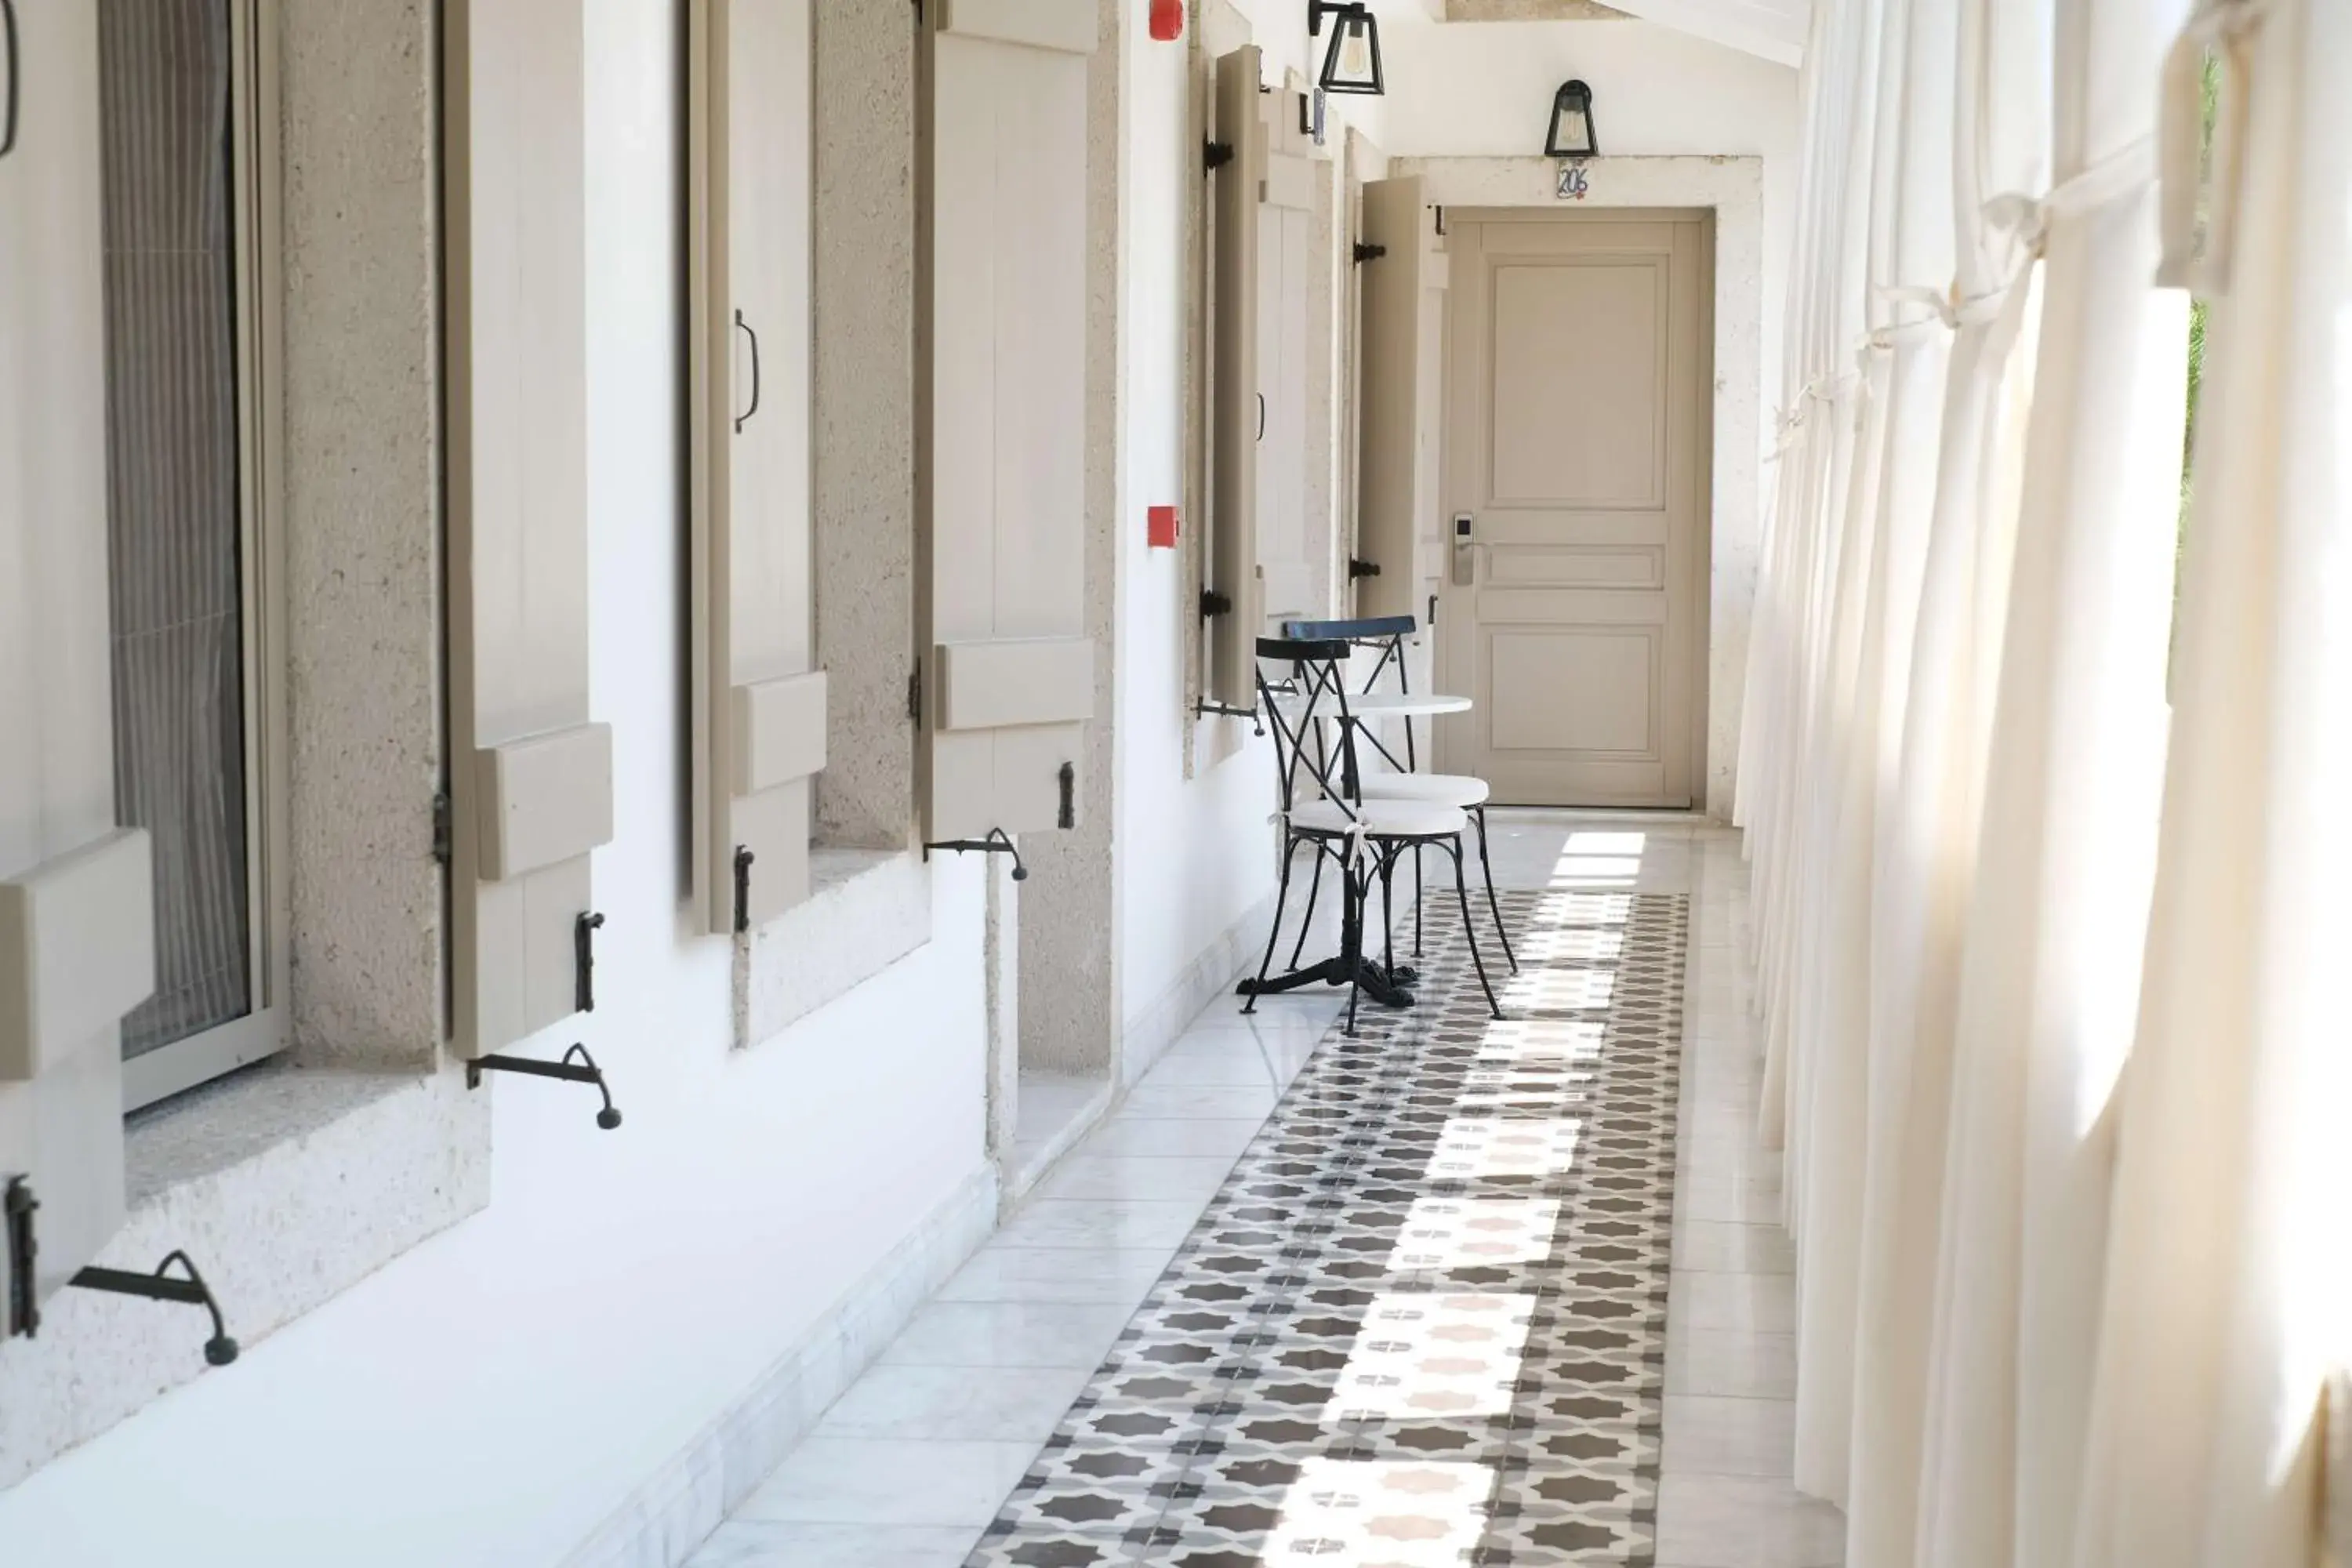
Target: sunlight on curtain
{"points": [[2227, 1302], [2044, 1319]]}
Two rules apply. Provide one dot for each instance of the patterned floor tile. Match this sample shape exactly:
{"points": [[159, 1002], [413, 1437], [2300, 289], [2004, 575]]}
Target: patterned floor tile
{"points": [[1423, 1320]]}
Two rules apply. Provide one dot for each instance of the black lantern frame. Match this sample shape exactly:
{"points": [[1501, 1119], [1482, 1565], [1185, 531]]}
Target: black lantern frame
{"points": [[1351, 19], [1574, 97]]}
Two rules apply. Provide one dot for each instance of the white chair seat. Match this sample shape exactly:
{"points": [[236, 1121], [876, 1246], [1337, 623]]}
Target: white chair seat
{"points": [[1459, 790], [1382, 818]]}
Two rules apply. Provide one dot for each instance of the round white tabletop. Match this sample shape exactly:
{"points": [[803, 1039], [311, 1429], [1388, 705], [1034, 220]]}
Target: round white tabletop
{"points": [[1387, 705], [1406, 704]]}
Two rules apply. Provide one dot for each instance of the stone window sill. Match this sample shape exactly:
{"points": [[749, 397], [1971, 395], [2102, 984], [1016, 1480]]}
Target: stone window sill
{"points": [[866, 910], [288, 1185]]}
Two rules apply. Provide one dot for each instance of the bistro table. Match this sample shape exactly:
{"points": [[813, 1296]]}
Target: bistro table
{"points": [[1382, 983]]}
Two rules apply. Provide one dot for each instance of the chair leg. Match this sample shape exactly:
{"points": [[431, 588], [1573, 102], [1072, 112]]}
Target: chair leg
{"points": [[1351, 935], [1274, 933], [1388, 911], [1307, 922], [1488, 868], [1417, 889], [1469, 933]]}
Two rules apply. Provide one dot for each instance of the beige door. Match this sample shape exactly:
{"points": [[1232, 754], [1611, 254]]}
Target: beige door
{"points": [[1573, 606]]}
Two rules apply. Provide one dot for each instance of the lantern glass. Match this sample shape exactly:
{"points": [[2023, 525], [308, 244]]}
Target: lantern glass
{"points": [[1571, 135], [1351, 62]]}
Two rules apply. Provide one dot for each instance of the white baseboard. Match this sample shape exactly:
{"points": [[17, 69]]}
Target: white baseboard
{"points": [[1214, 972], [675, 1508]]}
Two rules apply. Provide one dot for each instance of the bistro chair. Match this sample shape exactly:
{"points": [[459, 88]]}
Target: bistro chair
{"points": [[1401, 779], [1322, 806]]}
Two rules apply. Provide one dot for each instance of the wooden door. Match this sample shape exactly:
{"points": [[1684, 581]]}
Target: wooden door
{"points": [[1573, 607]]}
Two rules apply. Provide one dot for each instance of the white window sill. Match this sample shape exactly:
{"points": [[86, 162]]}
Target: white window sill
{"points": [[867, 909], [287, 1185]]}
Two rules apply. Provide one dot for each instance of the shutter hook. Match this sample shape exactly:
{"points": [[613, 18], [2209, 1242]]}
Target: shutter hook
{"points": [[996, 842], [583, 1070], [220, 1350]]}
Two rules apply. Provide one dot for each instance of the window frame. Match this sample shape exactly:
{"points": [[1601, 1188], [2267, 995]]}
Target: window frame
{"points": [[253, 192]]}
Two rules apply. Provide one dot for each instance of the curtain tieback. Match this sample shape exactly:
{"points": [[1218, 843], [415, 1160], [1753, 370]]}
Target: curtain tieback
{"points": [[1943, 312], [2225, 25], [1788, 421], [2121, 175]]}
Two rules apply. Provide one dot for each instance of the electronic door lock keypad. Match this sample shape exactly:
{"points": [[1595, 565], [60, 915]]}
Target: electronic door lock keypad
{"points": [[1466, 559]]}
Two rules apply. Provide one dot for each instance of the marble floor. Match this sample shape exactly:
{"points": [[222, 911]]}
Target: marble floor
{"points": [[916, 1460]]}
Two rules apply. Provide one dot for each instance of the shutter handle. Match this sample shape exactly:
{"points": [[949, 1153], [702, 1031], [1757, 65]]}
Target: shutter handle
{"points": [[743, 859], [754, 336], [583, 962], [8, 111]]}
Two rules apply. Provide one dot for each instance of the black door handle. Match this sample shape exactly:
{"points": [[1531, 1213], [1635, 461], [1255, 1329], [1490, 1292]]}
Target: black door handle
{"points": [[1261, 416], [755, 372], [8, 85]]}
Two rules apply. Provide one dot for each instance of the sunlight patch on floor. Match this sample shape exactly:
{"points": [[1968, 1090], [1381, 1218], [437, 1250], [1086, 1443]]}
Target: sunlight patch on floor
{"points": [[1361, 1514]]}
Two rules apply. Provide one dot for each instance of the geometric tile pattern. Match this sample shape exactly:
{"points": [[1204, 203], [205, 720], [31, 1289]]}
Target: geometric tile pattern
{"points": [[1423, 1320]]}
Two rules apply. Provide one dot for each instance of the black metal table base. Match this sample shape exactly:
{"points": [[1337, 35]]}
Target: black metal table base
{"points": [[1384, 986]]}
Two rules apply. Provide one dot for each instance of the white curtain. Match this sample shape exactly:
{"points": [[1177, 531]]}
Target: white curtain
{"points": [[1862, 682], [2051, 970], [2067, 1113], [1923, 857], [2226, 1298]]}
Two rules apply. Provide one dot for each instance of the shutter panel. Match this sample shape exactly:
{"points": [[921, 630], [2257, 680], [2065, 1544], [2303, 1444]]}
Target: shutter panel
{"points": [[1404, 304], [77, 914], [1285, 225], [1236, 386], [530, 778], [1009, 670], [759, 704]]}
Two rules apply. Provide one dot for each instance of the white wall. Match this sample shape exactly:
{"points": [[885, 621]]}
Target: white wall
{"points": [[1485, 90], [1193, 857], [490, 1397]]}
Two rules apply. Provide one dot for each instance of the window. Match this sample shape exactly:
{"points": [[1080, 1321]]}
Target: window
{"points": [[193, 712]]}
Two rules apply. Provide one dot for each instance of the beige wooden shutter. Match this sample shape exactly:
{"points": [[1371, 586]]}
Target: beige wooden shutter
{"points": [[1403, 300], [1009, 672], [758, 705], [1234, 385], [77, 915], [1285, 229], [531, 777]]}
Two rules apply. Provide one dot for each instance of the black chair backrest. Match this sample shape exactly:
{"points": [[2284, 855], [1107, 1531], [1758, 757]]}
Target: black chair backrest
{"points": [[1371, 628], [1296, 650], [1388, 634], [1315, 689]]}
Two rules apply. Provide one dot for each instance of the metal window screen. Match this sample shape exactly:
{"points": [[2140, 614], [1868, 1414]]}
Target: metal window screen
{"points": [[174, 528]]}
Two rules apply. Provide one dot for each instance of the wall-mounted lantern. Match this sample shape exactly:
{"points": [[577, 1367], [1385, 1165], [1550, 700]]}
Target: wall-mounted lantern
{"points": [[1572, 124], [1351, 62]]}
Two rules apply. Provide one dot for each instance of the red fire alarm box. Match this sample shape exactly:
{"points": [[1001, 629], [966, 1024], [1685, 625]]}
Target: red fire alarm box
{"points": [[1160, 528], [1167, 20]]}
